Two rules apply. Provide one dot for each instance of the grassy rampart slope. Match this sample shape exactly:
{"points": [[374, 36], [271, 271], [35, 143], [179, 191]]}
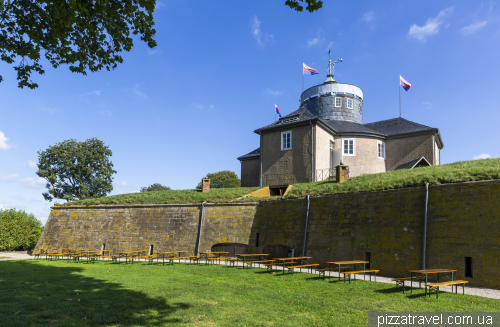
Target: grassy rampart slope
{"points": [[458, 172]]}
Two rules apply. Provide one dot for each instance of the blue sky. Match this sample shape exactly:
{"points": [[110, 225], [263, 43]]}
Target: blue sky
{"points": [[188, 107]]}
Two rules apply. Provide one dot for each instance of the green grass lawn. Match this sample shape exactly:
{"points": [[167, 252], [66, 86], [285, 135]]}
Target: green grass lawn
{"points": [[171, 196], [61, 293], [458, 172]]}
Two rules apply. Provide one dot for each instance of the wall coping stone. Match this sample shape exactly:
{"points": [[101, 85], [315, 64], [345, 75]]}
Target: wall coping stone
{"points": [[113, 206]]}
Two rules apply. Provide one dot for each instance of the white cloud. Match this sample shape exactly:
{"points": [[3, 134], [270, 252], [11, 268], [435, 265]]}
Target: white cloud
{"points": [[9, 178], [32, 164], [105, 112], [135, 91], [368, 16], [155, 51], [431, 26], [34, 182], [256, 32], [201, 106], [96, 92], [3, 142], [2, 207], [315, 41], [260, 37], [159, 5], [273, 92], [474, 27], [482, 156], [120, 183], [50, 110], [427, 104]]}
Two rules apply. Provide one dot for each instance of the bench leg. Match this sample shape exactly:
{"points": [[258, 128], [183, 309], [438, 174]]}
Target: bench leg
{"points": [[437, 293]]}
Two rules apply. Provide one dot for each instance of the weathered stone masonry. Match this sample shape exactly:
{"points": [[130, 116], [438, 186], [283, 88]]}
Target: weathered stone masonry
{"points": [[463, 221]]}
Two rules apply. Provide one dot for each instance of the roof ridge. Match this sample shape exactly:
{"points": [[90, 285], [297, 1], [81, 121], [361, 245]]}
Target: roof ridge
{"points": [[398, 118]]}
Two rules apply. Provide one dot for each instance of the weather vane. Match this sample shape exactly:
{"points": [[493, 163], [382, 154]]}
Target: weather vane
{"points": [[331, 65]]}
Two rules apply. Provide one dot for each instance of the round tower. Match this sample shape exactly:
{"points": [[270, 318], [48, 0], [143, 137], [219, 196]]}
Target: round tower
{"points": [[335, 101]]}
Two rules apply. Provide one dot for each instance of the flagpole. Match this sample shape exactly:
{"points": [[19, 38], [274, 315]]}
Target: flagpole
{"points": [[302, 81], [275, 113], [399, 99]]}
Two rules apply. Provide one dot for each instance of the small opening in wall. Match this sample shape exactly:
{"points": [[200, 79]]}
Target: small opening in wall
{"points": [[468, 267], [277, 190], [257, 240], [151, 249], [103, 246], [368, 257]]}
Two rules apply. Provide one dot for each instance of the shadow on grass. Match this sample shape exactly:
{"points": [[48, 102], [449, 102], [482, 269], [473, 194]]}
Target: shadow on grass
{"points": [[398, 289], [32, 293]]}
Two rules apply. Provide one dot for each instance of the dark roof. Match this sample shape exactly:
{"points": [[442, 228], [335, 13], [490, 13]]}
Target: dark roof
{"points": [[397, 126], [251, 155], [413, 163], [391, 128], [341, 126], [299, 115]]}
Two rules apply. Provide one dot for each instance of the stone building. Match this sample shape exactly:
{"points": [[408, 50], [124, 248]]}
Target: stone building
{"points": [[307, 145]]}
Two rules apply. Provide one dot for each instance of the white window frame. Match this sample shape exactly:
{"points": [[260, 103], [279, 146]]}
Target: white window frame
{"points": [[353, 154], [283, 148], [380, 143], [352, 103], [340, 99]]}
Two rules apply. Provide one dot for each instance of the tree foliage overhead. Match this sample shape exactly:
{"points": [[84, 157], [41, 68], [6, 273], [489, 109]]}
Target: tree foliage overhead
{"points": [[76, 170], [155, 187], [312, 5], [86, 35], [222, 179], [18, 230]]}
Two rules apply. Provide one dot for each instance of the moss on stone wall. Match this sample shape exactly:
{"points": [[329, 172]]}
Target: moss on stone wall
{"points": [[463, 221]]}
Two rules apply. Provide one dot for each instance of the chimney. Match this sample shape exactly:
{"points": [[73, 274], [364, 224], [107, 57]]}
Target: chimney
{"points": [[206, 185]]}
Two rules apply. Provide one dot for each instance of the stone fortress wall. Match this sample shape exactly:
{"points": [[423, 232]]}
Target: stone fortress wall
{"points": [[463, 221]]}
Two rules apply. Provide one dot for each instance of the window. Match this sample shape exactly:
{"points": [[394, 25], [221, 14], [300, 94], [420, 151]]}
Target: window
{"points": [[380, 150], [468, 267], [349, 103], [286, 140], [360, 108], [338, 102], [368, 257], [349, 147]]}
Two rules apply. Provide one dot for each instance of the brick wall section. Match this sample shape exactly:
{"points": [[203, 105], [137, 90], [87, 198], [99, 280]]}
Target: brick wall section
{"points": [[463, 221]]}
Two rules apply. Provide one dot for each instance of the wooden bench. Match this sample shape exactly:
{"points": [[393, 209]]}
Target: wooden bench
{"points": [[370, 271], [56, 255], [401, 281], [226, 259], [269, 266], [149, 257], [233, 262], [435, 286], [114, 258], [249, 263], [37, 254], [93, 258], [308, 266], [323, 271], [75, 257]]}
